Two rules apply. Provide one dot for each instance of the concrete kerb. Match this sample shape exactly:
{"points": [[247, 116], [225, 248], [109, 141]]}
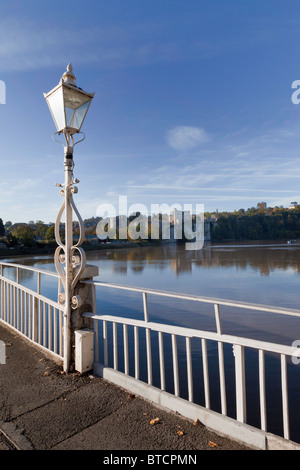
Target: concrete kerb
{"points": [[213, 421]]}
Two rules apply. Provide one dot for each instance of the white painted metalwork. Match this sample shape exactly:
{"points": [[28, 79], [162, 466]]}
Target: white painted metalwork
{"points": [[41, 320], [239, 345], [30, 313], [68, 105]]}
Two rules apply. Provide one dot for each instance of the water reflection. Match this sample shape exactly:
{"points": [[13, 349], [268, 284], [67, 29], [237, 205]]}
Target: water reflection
{"points": [[262, 258]]}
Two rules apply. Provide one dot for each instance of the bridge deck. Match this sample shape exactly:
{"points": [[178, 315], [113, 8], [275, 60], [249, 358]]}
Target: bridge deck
{"points": [[42, 408]]}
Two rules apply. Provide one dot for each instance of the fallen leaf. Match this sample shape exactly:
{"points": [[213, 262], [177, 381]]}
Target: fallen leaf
{"points": [[155, 421], [197, 423], [130, 396], [180, 433], [47, 373], [212, 444]]}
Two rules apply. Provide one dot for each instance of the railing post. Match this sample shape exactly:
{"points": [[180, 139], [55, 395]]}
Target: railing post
{"points": [[284, 390], [84, 301], [240, 384]]}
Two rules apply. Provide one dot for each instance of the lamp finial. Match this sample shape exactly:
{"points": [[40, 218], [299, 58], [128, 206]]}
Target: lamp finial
{"points": [[69, 77]]}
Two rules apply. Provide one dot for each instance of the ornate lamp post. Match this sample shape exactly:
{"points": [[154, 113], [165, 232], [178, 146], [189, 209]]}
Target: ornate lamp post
{"points": [[68, 105]]}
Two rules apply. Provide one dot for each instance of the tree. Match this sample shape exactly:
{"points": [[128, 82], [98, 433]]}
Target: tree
{"points": [[50, 233], [24, 234], [41, 229], [2, 229]]}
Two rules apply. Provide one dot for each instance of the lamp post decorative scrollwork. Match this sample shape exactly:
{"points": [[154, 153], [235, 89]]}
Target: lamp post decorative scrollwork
{"points": [[68, 105]]}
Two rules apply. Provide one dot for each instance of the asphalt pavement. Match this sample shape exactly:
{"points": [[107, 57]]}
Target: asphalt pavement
{"points": [[42, 409]]}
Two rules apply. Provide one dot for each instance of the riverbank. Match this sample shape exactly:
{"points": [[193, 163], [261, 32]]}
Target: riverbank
{"points": [[40, 250], [50, 248]]}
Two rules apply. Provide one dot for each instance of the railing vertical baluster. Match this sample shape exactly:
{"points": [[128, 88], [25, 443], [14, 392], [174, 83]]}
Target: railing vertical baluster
{"points": [[15, 306], [221, 362], [61, 352], [148, 339], [22, 311], [161, 361], [115, 345], [40, 321], [175, 365], [126, 359], [94, 299], [284, 388], [50, 323], [55, 330], [30, 330], [96, 330], [189, 368], [240, 384], [30, 307], [136, 353], [11, 294], [11, 304], [45, 325], [8, 303], [4, 300], [19, 310], [205, 373], [38, 282], [262, 390], [26, 313], [5, 308], [105, 343]]}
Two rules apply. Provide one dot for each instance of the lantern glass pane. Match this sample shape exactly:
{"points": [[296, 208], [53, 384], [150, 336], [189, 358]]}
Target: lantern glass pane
{"points": [[73, 98], [56, 105], [79, 115], [69, 116]]}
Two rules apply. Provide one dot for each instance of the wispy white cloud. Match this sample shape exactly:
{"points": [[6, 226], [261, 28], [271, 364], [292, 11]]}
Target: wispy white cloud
{"points": [[184, 138], [236, 172], [26, 44]]}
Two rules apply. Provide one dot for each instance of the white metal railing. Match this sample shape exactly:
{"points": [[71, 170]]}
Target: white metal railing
{"points": [[239, 344], [33, 315], [40, 319]]}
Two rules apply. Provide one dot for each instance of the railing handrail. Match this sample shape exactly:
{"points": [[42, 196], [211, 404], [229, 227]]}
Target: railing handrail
{"points": [[30, 268], [196, 298], [33, 293], [191, 297], [197, 333]]}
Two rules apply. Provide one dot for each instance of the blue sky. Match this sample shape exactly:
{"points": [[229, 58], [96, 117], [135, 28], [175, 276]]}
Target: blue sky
{"points": [[192, 103]]}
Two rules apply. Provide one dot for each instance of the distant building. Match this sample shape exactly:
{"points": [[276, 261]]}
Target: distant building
{"points": [[293, 205]]}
